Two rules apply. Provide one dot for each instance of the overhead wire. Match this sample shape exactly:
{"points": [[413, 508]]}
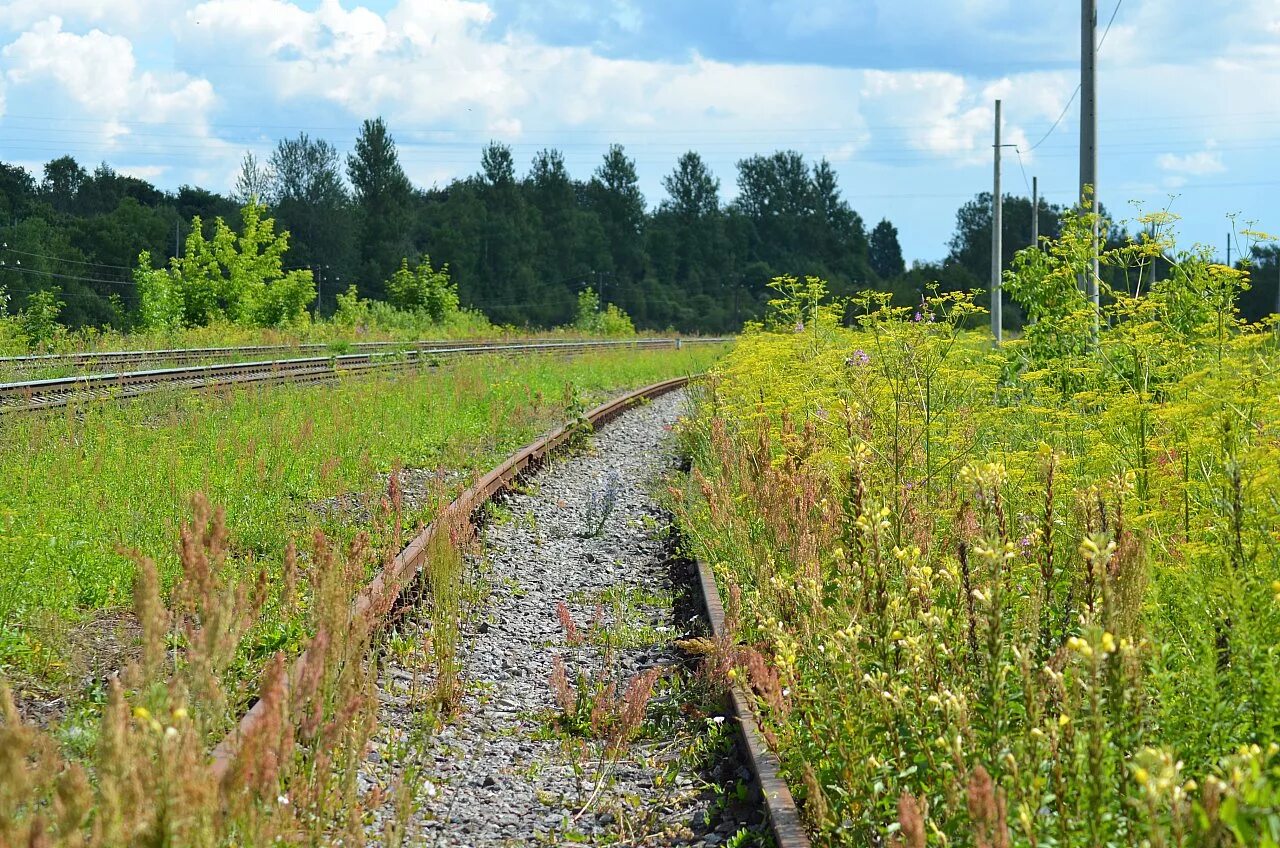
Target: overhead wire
{"points": [[1076, 93], [8, 249], [23, 270]]}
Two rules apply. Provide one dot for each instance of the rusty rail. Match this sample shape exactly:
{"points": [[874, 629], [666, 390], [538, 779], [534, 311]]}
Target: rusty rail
{"points": [[380, 593], [784, 816]]}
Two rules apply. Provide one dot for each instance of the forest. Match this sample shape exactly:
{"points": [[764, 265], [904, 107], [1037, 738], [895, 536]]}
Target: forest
{"points": [[520, 246]]}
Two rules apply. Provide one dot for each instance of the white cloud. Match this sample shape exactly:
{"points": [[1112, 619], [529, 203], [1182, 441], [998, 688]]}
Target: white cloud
{"points": [[138, 18], [1193, 164], [946, 115], [151, 173], [448, 74], [98, 72]]}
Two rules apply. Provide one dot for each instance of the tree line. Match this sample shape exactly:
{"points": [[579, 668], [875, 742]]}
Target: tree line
{"points": [[520, 244]]}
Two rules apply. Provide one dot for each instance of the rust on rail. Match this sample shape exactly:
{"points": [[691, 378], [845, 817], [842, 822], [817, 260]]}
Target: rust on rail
{"points": [[784, 815]]}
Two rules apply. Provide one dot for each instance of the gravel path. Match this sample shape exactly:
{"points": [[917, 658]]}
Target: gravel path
{"points": [[508, 768]]}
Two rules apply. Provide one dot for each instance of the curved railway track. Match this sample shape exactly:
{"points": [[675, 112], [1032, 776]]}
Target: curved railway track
{"points": [[35, 395]]}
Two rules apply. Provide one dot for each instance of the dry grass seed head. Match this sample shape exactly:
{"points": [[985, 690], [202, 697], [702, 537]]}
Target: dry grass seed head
{"points": [[910, 821]]}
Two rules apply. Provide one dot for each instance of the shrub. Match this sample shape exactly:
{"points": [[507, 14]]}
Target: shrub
{"points": [[1029, 590], [160, 304], [38, 320], [423, 289], [236, 277], [592, 320]]}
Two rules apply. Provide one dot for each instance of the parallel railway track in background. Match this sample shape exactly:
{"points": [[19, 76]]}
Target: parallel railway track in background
{"points": [[35, 395], [88, 362]]}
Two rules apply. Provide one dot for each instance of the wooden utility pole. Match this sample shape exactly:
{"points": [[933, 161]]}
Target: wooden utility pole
{"points": [[1035, 211], [996, 253], [1089, 136]]}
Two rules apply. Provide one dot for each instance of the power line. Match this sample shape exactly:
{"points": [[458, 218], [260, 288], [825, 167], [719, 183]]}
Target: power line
{"points": [[1022, 169], [61, 259], [1075, 93], [1103, 40], [1070, 100], [19, 269]]}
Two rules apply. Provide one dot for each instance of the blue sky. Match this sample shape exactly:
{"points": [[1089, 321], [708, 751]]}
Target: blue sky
{"points": [[897, 94]]}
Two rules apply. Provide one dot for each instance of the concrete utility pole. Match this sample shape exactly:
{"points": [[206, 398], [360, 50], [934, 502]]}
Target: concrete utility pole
{"points": [[1089, 133], [1228, 250], [1035, 211], [996, 253]]}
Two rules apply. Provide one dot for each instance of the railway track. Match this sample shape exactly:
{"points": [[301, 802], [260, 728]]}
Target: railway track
{"points": [[124, 360], [476, 816], [35, 395]]}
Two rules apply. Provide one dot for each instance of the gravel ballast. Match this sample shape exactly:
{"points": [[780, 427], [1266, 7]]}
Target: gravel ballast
{"points": [[505, 768]]}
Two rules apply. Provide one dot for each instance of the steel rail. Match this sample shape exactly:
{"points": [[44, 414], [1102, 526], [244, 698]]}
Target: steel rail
{"points": [[780, 804], [33, 395], [380, 594], [122, 358]]}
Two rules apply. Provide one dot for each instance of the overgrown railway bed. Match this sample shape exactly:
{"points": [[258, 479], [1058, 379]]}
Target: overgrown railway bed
{"points": [[534, 736], [35, 395]]}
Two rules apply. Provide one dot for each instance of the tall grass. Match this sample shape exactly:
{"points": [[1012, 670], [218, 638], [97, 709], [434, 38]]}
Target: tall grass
{"points": [[149, 781], [1025, 596]]}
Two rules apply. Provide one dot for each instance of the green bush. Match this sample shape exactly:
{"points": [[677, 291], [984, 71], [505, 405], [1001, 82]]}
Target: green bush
{"points": [[236, 277], [423, 289], [592, 320], [38, 321]]}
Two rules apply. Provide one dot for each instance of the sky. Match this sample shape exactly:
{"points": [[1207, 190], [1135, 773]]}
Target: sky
{"points": [[897, 94]]}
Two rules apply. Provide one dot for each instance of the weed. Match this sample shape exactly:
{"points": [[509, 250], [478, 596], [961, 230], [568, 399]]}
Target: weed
{"points": [[601, 502], [1014, 597]]}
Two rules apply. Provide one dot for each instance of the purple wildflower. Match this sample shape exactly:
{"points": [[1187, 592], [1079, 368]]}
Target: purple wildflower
{"points": [[858, 360]]}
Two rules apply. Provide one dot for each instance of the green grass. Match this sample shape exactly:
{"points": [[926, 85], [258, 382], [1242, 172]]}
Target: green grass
{"points": [[87, 483]]}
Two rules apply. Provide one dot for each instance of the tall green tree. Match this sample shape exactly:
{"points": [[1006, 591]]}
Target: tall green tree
{"points": [[255, 181], [17, 192], [838, 234], [616, 199], [311, 201], [507, 285], [885, 253], [383, 195], [693, 192], [63, 179], [688, 255], [775, 196], [562, 244]]}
